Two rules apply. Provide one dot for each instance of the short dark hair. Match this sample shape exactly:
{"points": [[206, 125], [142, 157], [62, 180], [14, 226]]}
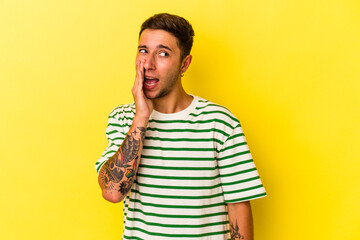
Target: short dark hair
{"points": [[176, 25]]}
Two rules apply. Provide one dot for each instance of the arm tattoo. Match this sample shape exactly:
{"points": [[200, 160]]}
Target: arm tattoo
{"points": [[235, 232], [123, 163]]}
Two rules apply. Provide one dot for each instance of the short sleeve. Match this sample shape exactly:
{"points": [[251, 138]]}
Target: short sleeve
{"points": [[115, 135], [239, 177]]}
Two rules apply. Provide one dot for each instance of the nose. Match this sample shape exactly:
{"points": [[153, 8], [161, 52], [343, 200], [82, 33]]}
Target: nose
{"points": [[149, 63]]}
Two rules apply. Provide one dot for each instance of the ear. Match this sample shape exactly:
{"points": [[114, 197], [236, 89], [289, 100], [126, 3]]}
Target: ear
{"points": [[186, 63]]}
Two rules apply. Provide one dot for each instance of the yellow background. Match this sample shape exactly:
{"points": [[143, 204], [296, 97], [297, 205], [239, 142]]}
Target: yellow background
{"points": [[289, 70]]}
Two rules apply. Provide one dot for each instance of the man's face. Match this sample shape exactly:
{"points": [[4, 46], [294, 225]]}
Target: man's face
{"points": [[162, 65]]}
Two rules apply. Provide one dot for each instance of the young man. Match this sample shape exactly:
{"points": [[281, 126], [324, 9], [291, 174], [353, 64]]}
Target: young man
{"points": [[180, 163]]}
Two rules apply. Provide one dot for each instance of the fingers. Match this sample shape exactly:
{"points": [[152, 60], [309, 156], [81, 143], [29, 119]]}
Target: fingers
{"points": [[139, 78], [142, 104], [141, 74]]}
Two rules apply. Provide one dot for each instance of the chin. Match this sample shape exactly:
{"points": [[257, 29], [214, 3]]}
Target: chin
{"points": [[150, 95], [155, 95]]}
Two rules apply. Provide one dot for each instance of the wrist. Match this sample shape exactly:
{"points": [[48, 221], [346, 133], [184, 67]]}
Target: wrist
{"points": [[140, 121]]}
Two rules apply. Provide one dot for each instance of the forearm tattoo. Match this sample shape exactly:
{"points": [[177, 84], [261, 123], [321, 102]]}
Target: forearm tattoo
{"points": [[118, 173], [235, 232]]}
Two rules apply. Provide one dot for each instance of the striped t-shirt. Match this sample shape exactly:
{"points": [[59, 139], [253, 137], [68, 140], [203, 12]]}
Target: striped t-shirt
{"points": [[193, 163]]}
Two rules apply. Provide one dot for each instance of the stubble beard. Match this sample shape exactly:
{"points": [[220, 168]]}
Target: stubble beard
{"points": [[167, 89]]}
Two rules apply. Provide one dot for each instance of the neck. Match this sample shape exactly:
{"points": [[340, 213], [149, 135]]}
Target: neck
{"points": [[173, 102]]}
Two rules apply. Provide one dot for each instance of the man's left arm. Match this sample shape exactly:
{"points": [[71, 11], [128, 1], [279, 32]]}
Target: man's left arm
{"points": [[241, 222]]}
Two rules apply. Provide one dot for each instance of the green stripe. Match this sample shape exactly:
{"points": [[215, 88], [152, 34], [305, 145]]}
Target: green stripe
{"points": [[235, 136], [233, 146], [177, 197], [98, 169], [241, 181], [178, 187], [180, 149], [177, 216], [119, 125], [113, 144], [211, 112], [111, 132], [193, 122], [239, 172], [107, 153], [127, 118], [177, 177], [233, 155], [177, 235], [212, 105], [246, 198], [115, 124], [236, 164], [177, 225], [114, 139], [189, 130], [122, 108], [185, 139], [178, 168], [132, 237], [121, 117], [243, 190], [177, 158], [177, 206], [111, 151]]}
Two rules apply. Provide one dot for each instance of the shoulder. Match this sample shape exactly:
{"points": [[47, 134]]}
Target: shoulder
{"points": [[123, 111], [213, 110], [120, 119]]}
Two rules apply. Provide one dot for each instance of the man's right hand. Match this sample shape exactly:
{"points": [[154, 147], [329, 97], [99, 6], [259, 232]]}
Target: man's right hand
{"points": [[144, 106]]}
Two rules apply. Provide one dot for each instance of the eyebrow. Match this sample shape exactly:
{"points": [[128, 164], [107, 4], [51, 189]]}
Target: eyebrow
{"points": [[158, 46]]}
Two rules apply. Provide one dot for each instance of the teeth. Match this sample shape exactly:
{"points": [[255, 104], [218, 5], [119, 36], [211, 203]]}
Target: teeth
{"points": [[149, 84]]}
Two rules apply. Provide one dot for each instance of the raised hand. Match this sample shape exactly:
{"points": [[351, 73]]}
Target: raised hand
{"points": [[144, 106]]}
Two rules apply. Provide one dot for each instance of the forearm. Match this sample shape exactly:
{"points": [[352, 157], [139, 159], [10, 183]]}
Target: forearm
{"points": [[241, 222], [118, 173]]}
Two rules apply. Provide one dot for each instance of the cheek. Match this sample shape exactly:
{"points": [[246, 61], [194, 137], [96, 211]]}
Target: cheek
{"points": [[165, 65], [162, 68]]}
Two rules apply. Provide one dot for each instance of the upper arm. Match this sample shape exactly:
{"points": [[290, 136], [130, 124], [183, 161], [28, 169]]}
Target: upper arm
{"points": [[115, 133], [238, 174], [239, 206]]}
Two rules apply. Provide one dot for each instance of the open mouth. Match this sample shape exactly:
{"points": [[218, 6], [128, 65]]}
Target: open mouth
{"points": [[150, 82]]}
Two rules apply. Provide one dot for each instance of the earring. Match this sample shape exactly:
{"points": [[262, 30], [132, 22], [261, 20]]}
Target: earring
{"points": [[182, 74]]}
